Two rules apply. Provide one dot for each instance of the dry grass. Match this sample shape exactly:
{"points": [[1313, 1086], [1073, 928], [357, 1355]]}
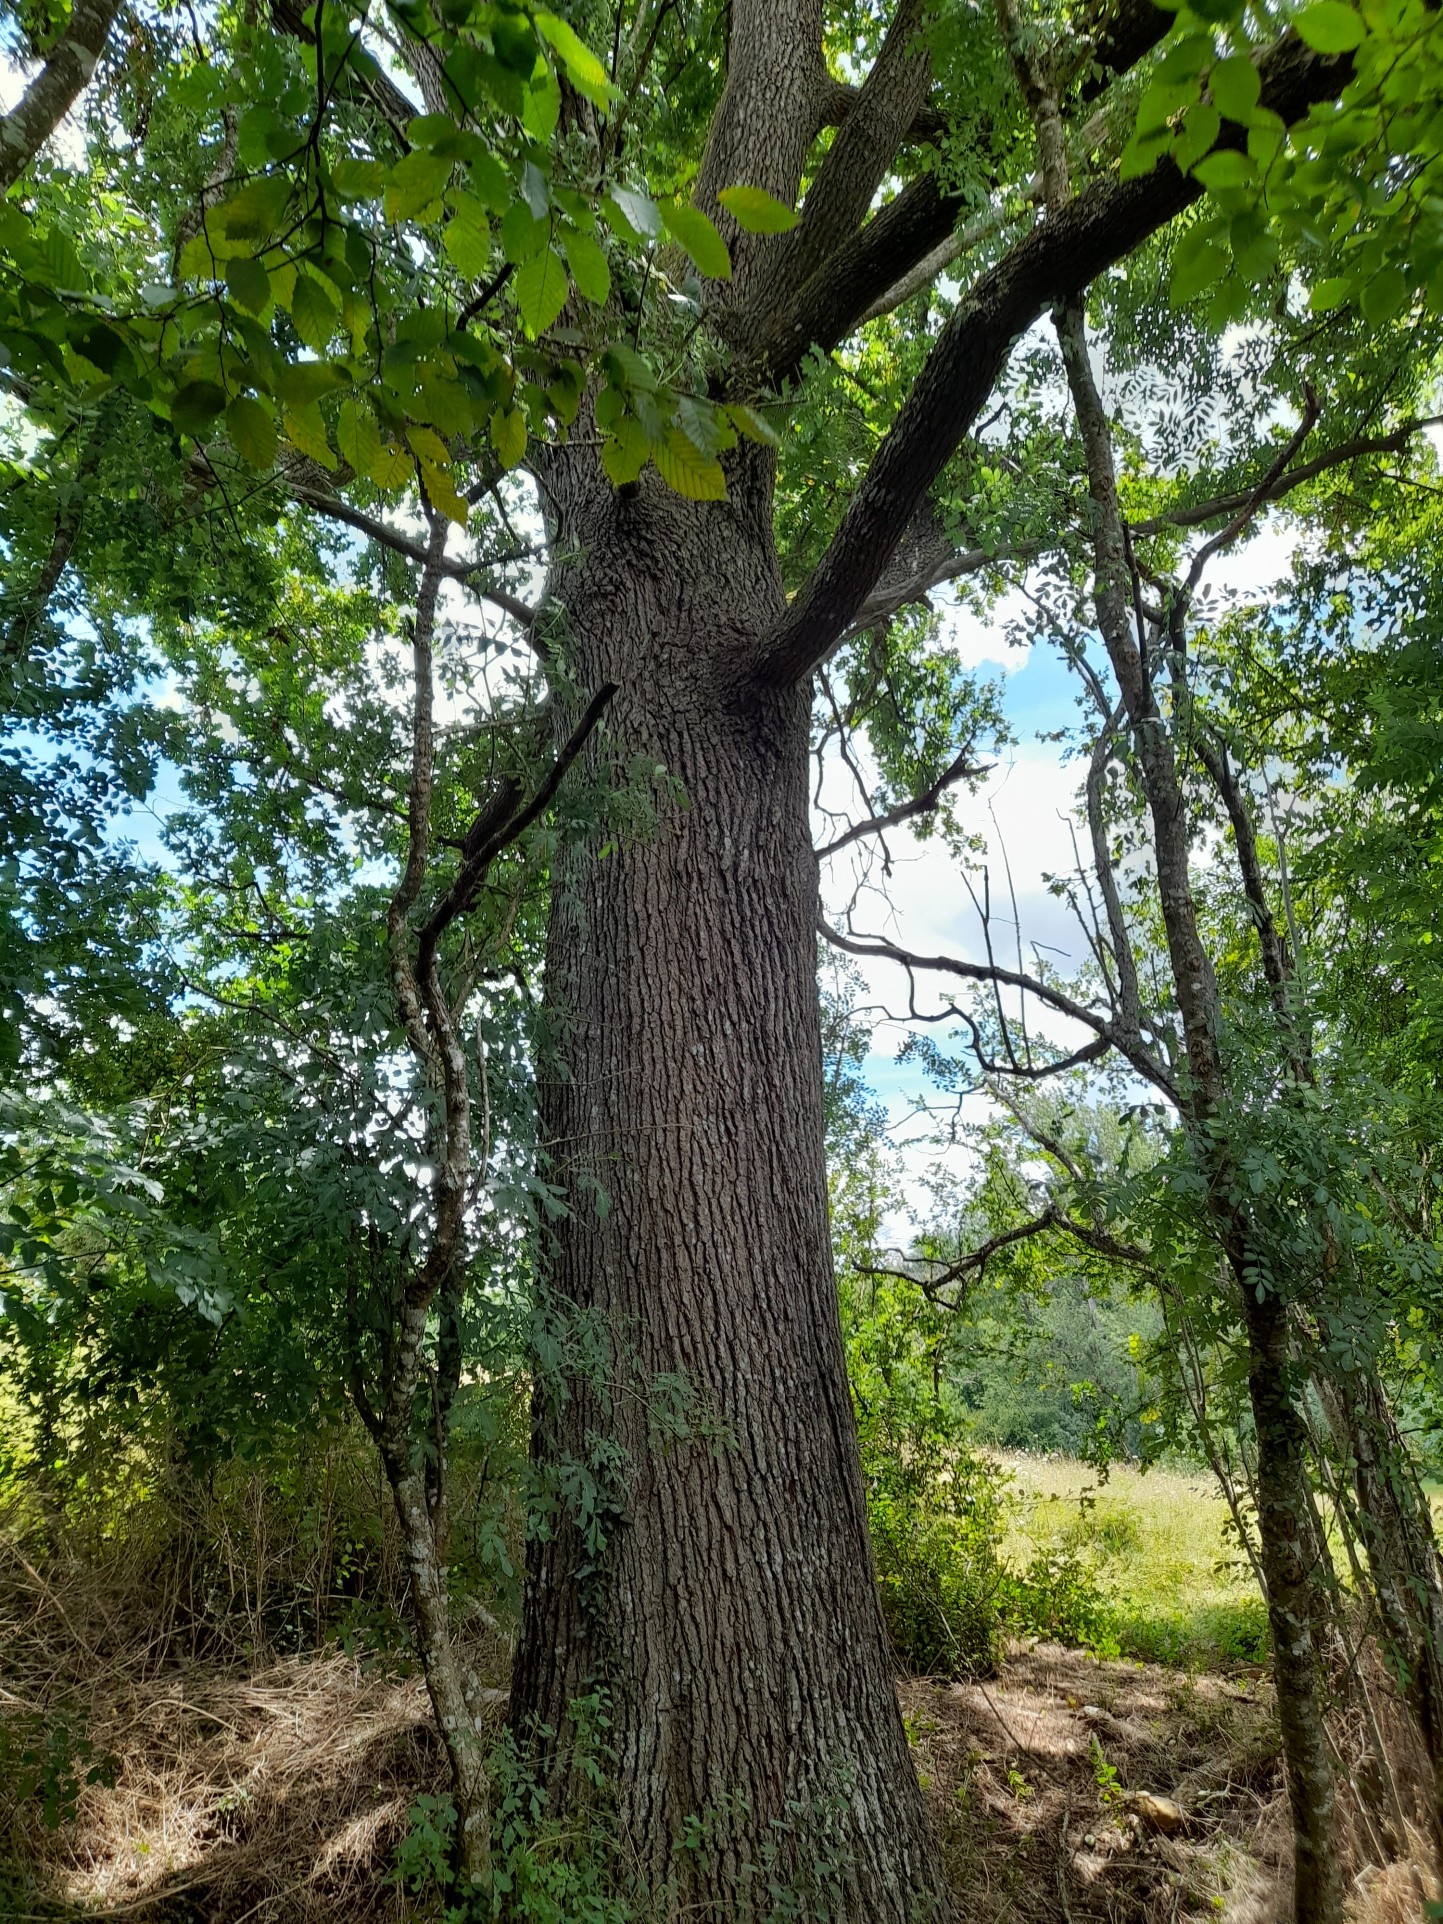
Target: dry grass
{"points": [[252, 1788], [1040, 1784], [240, 1783], [1037, 1826], [274, 1797]]}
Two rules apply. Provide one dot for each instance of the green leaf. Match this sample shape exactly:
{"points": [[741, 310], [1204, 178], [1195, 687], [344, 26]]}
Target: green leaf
{"points": [[1327, 26], [1330, 293], [1223, 170], [442, 494], [1200, 128], [522, 238], [638, 216], [253, 433], [542, 108], [358, 179], [491, 182], [298, 383], [687, 472], [541, 289], [756, 427], [1195, 274], [706, 427], [307, 431], [1142, 153], [249, 284], [253, 212], [314, 312], [508, 435], [1183, 59], [757, 211], [624, 455], [588, 265], [359, 439], [429, 446], [586, 72], [691, 229], [195, 405], [467, 240], [428, 130], [1383, 296], [1235, 87], [414, 183]]}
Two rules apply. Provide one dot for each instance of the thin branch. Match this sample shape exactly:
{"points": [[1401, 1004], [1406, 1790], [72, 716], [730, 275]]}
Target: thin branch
{"points": [[959, 770], [994, 976], [403, 544]]}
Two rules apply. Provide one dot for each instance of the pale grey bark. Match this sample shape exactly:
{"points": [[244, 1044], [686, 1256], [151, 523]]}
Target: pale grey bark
{"points": [[55, 89]]}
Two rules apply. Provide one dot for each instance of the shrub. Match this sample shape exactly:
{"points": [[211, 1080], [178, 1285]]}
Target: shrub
{"points": [[1057, 1596], [936, 1520]]}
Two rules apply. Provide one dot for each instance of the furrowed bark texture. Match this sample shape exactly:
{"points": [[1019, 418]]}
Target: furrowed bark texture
{"points": [[731, 1614]]}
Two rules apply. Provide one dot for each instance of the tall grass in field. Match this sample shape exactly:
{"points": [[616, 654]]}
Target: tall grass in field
{"points": [[1157, 1545]]}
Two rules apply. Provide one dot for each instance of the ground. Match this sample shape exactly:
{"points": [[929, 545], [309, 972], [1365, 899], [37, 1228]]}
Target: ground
{"points": [[1069, 1787]]}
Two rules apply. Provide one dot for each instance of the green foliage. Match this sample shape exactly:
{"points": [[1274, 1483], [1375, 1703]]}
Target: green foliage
{"points": [[1057, 1596], [46, 1758]]}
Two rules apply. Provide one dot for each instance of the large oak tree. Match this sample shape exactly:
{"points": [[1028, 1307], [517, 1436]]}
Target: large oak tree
{"points": [[709, 1581]]}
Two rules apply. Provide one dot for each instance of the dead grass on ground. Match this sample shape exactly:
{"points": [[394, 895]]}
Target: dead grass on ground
{"points": [[237, 1785], [276, 1797], [274, 1790], [1070, 1789]]}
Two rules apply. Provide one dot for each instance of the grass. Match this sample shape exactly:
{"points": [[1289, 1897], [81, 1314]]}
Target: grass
{"points": [[1177, 1587]]}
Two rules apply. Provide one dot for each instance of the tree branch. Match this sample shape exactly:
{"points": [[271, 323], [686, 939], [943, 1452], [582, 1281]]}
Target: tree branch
{"points": [[1058, 258], [1394, 442], [498, 825], [386, 536], [962, 769], [887, 104], [994, 976], [46, 101]]}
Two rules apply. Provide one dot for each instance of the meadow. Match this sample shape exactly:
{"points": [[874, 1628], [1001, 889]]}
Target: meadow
{"points": [[1159, 1549]]}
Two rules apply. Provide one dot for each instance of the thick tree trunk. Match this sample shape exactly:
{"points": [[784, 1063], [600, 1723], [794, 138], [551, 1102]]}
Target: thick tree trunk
{"points": [[716, 1585], [1402, 1549]]}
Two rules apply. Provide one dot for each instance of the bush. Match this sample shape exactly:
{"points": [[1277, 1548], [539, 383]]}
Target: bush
{"points": [[936, 1520], [938, 1586], [1057, 1596]]}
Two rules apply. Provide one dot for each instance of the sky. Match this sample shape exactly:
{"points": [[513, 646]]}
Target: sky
{"points": [[1024, 809]]}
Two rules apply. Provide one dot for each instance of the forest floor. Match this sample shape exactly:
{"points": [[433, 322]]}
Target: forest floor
{"points": [[1070, 1788], [1065, 1788]]}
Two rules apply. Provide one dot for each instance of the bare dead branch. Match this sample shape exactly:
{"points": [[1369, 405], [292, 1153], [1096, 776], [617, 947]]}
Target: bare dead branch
{"points": [[960, 769]]}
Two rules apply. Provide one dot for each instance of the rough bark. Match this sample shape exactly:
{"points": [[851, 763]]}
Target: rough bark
{"points": [[729, 1611], [1396, 1527]]}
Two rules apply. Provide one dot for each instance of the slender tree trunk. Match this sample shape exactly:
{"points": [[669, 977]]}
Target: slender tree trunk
{"points": [[448, 1681], [716, 1585], [1396, 1527], [1287, 1521]]}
